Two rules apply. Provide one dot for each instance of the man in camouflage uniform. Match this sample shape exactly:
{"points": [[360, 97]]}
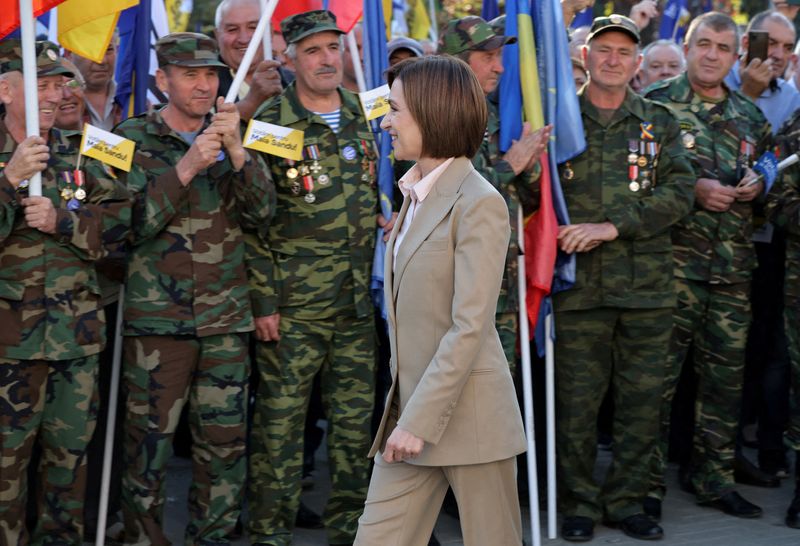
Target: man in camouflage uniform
{"points": [[187, 312], [624, 192], [724, 133], [783, 210], [51, 321], [514, 172], [310, 281]]}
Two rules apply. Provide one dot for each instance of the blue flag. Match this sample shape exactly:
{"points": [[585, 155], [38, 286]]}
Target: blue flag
{"points": [[509, 89], [490, 10], [376, 59], [583, 18]]}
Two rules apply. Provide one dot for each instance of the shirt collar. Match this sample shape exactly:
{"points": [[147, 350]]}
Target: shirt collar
{"points": [[414, 184]]}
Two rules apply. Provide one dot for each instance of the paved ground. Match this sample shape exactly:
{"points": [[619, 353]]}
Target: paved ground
{"points": [[684, 522]]}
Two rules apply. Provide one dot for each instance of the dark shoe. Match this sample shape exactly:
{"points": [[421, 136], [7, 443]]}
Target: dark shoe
{"points": [[577, 529], [433, 541], [734, 504], [652, 507], [307, 519], [685, 480], [749, 474], [641, 527], [773, 462], [793, 513]]}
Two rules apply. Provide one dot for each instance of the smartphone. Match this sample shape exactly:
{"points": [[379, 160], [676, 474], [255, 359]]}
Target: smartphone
{"points": [[757, 45]]}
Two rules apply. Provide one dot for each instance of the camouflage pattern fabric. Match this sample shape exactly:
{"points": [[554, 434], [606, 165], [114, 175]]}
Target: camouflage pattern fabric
{"points": [[470, 33], [342, 350], [297, 27], [161, 375], [721, 138], [783, 210], [633, 270], [595, 348], [48, 60], [49, 295], [507, 325], [713, 319], [56, 403], [714, 259], [188, 49], [186, 267], [313, 266], [612, 328]]}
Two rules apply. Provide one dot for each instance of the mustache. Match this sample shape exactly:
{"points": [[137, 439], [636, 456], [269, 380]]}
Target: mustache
{"points": [[325, 70]]}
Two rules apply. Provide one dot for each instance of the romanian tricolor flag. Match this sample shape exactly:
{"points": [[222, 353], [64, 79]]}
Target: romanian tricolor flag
{"points": [[10, 10]]}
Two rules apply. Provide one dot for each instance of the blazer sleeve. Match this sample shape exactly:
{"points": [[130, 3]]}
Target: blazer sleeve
{"points": [[482, 233]]}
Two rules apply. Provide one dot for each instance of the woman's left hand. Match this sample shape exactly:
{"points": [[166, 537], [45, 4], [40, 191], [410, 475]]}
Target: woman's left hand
{"points": [[402, 445]]}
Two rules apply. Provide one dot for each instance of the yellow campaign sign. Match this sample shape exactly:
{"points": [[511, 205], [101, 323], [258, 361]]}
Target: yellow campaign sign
{"points": [[274, 140], [107, 147], [375, 102]]}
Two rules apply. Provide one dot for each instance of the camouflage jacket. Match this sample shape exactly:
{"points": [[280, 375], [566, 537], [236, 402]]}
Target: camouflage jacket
{"points": [[783, 206], [721, 140], [516, 190], [49, 296], [186, 266], [635, 174], [317, 256]]}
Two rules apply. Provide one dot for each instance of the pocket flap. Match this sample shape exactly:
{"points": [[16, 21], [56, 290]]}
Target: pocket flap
{"points": [[12, 290]]}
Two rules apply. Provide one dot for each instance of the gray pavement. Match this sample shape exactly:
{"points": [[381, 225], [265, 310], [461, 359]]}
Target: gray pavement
{"points": [[684, 522]]}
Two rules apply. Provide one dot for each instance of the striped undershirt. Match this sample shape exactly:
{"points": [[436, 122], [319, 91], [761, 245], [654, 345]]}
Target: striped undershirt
{"points": [[331, 118]]}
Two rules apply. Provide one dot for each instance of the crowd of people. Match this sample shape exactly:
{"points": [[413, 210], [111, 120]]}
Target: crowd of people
{"points": [[248, 312]]}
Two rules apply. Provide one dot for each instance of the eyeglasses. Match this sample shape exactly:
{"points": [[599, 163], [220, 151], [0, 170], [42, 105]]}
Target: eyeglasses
{"points": [[73, 85]]}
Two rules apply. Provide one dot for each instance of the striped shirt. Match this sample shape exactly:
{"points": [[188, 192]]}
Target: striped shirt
{"points": [[331, 118]]}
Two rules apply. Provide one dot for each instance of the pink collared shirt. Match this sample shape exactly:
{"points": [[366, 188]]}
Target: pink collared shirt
{"points": [[417, 187]]}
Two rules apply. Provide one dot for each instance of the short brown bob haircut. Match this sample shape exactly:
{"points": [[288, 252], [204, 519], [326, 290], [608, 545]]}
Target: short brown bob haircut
{"points": [[447, 102]]}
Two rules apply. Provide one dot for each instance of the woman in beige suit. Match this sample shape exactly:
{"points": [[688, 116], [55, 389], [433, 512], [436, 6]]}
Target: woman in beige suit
{"points": [[451, 414]]}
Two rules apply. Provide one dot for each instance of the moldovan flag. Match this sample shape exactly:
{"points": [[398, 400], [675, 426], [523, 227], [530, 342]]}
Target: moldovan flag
{"points": [[10, 11]]}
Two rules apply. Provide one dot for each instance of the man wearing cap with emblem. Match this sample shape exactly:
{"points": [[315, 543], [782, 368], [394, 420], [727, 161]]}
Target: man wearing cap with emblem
{"points": [[623, 193], [512, 173], [310, 277], [51, 319], [724, 134], [187, 311]]}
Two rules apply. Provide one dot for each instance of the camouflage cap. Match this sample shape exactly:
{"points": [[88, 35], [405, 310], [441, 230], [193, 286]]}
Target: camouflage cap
{"points": [[498, 25], [48, 60], [470, 34], [188, 49], [296, 27], [614, 22]]}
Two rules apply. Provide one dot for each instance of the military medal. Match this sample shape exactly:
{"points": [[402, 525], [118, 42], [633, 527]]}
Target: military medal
{"points": [[304, 170], [295, 187], [313, 152], [349, 153], [73, 204], [80, 194], [308, 184], [633, 174], [309, 198], [633, 186], [323, 179], [642, 161], [645, 184], [568, 173], [688, 140], [632, 158], [66, 194], [291, 173]]}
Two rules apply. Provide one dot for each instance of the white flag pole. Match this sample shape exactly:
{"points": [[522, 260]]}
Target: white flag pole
{"points": [[527, 386], [111, 421], [267, 43], [247, 60], [550, 398], [352, 46], [434, 31], [30, 86]]}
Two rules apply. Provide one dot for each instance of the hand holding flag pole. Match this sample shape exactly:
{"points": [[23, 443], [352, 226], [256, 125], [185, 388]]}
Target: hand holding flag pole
{"points": [[255, 41]]}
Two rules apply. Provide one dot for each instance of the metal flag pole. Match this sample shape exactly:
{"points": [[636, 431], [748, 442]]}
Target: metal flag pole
{"points": [[255, 41], [111, 422], [352, 46], [30, 87], [268, 32], [550, 398], [527, 386]]}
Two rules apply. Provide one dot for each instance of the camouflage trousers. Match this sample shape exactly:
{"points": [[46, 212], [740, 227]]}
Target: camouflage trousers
{"points": [[342, 348], [713, 319], [161, 375], [791, 314], [506, 324], [596, 350], [56, 403]]}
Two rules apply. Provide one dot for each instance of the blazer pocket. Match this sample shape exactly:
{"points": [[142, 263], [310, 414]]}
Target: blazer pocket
{"points": [[483, 371]]}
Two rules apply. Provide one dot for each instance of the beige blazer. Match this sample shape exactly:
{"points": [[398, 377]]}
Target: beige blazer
{"points": [[451, 384]]}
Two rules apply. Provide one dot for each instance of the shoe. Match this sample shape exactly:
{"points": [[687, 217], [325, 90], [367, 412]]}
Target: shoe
{"points": [[734, 504], [773, 462], [652, 508], [793, 513], [749, 474], [308, 519], [433, 541], [685, 480], [577, 529], [640, 527]]}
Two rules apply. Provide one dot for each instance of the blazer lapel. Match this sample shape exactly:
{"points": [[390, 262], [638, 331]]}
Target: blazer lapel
{"points": [[433, 209], [388, 261]]}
